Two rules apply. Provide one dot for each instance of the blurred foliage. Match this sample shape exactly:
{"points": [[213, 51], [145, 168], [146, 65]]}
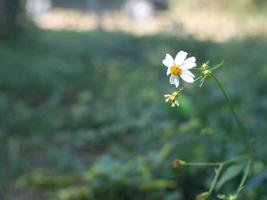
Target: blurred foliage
{"points": [[11, 17], [83, 116]]}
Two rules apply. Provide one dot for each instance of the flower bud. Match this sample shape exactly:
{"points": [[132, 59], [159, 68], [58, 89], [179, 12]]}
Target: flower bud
{"points": [[202, 196], [177, 163], [205, 69], [206, 72], [205, 65]]}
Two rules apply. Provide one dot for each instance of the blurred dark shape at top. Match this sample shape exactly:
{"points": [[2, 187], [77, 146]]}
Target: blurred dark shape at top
{"points": [[87, 4], [139, 10], [11, 17], [103, 4], [12, 11]]}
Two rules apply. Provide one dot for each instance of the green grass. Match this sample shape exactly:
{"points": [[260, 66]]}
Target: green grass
{"points": [[83, 116]]}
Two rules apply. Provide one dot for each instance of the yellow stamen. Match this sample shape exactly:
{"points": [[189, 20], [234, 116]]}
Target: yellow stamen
{"points": [[175, 70]]}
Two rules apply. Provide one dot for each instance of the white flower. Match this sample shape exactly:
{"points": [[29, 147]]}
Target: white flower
{"points": [[180, 67], [172, 98]]}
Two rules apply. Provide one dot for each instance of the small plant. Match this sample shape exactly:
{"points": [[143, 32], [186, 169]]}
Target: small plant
{"points": [[180, 66]]}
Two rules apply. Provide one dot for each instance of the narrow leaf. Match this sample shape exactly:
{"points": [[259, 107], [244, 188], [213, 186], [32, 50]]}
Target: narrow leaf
{"points": [[230, 173], [217, 65]]}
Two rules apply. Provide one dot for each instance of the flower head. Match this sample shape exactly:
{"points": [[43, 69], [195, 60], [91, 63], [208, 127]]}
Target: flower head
{"points": [[172, 98], [178, 163], [205, 69], [180, 67]]}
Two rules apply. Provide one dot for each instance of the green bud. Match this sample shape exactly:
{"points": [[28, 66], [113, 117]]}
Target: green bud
{"points": [[202, 196]]}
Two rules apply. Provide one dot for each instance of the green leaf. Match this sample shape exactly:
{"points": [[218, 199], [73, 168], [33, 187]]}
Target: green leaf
{"points": [[217, 65], [186, 105], [230, 173]]}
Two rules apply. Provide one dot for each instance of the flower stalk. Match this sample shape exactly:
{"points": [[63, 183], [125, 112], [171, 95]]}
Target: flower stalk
{"points": [[242, 129], [244, 178], [215, 180]]}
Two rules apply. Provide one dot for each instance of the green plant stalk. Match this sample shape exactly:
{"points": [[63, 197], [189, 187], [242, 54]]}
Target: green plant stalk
{"points": [[242, 130], [214, 181], [244, 178], [203, 163], [236, 159], [186, 85], [226, 162], [244, 135]]}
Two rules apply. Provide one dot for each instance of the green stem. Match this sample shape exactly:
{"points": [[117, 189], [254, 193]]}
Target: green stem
{"points": [[244, 178], [239, 158], [186, 85], [244, 134], [243, 131], [214, 181], [226, 162], [203, 163]]}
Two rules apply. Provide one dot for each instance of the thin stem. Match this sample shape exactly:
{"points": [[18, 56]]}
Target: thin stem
{"points": [[186, 85], [244, 178], [239, 158], [244, 134], [243, 131], [226, 162], [203, 163], [214, 181]]}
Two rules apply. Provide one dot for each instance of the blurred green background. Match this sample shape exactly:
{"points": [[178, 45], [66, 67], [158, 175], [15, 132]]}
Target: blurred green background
{"points": [[82, 111]]}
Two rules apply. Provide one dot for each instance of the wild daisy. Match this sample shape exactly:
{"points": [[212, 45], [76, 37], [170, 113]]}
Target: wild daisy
{"points": [[180, 67]]}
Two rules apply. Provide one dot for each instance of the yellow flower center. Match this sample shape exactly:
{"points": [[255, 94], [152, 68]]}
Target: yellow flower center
{"points": [[175, 70]]}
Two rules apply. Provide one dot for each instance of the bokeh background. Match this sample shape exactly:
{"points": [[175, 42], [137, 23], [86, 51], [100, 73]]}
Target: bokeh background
{"points": [[82, 112]]}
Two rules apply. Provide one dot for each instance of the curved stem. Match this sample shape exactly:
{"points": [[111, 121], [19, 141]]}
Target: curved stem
{"points": [[244, 178], [243, 131], [236, 159], [214, 181], [244, 134]]}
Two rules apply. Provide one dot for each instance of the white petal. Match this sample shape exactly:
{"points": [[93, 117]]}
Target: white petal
{"points": [[168, 61], [187, 76], [190, 73], [174, 80], [186, 66], [180, 57], [191, 59], [189, 63]]}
